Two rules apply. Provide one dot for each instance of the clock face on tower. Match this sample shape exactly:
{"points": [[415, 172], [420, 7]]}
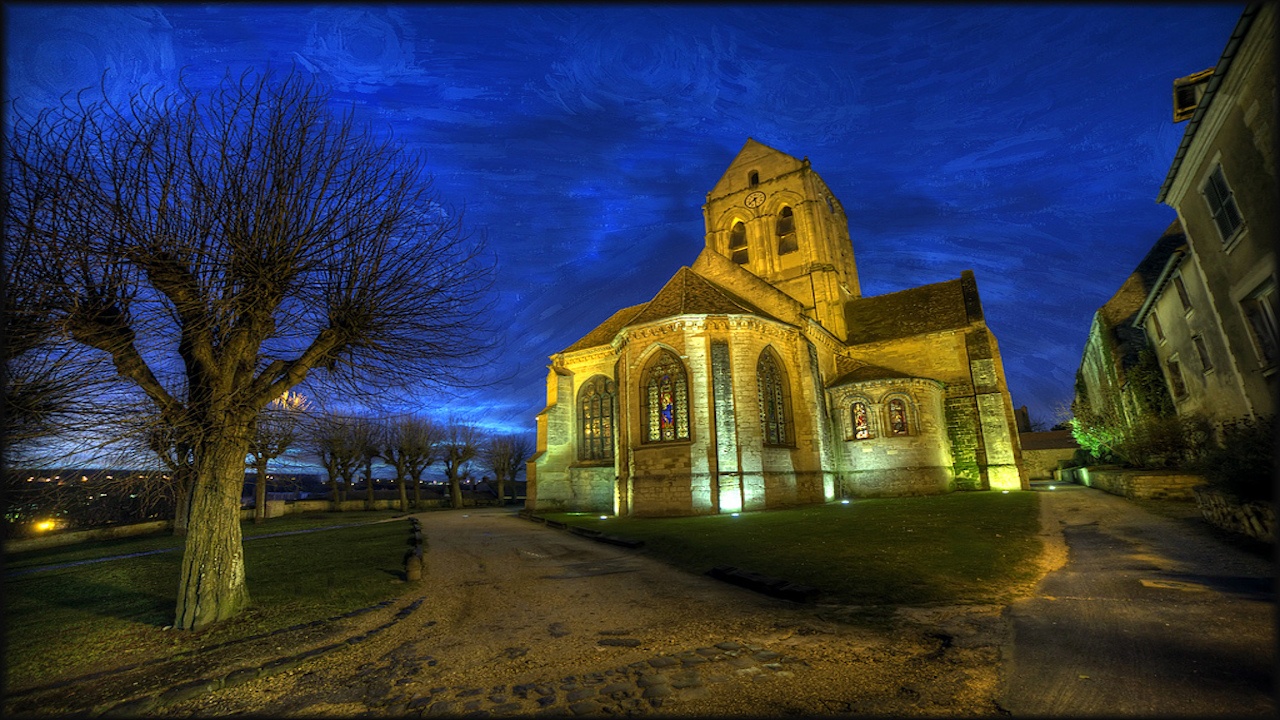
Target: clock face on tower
{"points": [[755, 199]]}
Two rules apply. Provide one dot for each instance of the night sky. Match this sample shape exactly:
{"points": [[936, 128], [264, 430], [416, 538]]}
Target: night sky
{"points": [[1024, 142]]}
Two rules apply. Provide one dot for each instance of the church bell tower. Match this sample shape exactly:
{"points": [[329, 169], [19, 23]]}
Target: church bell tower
{"points": [[774, 216]]}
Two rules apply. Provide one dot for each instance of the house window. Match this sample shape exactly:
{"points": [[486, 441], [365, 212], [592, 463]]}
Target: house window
{"points": [[775, 415], [595, 419], [1175, 377], [898, 418], [738, 243], [666, 400], [1222, 204], [1260, 309], [1182, 293], [861, 422], [786, 231], [1155, 325], [753, 179], [1205, 363]]}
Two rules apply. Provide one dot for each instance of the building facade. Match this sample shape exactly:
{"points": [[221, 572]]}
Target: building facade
{"points": [[759, 377], [1212, 315]]}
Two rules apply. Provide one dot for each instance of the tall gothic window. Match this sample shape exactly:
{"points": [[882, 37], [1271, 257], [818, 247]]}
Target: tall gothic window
{"points": [[666, 400], [738, 243], [595, 419], [861, 421], [898, 418], [775, 415], [786, 231]]}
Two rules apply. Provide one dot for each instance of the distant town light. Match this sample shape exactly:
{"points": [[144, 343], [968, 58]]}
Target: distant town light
{"points": [[735, 514], [604, 517], [844, 502], [46, 525]]}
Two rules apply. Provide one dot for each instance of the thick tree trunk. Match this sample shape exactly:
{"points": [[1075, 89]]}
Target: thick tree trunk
{"points": [[502, 491], [212, 586], [260, 491], [333, 491], [417, 493], [368, 482], [455, 492], [404, 493]]}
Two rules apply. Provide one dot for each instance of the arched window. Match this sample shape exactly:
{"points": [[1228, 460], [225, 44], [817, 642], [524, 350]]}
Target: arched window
{"points": [[595, 419], [738, 243], [753, 179], [775, 415], [666, 400], [861, 420], [786, 231], [898, 418]]}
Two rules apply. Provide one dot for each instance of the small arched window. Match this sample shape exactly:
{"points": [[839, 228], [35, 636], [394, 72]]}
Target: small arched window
{"points": [[898, 418], [861, 420], [596, 418], [666, 400], [786, 231], [753, 179], [738, 243], [775, 413]]}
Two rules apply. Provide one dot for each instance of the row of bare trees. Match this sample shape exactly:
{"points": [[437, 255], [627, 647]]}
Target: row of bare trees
{"points": [[345, 445]]}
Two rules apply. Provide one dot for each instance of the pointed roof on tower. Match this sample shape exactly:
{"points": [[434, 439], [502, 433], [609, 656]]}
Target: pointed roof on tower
{"points": [[754, 156]]}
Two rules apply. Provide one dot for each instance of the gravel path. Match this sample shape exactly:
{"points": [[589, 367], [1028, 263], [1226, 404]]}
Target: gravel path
{"points": [[514, 618]]}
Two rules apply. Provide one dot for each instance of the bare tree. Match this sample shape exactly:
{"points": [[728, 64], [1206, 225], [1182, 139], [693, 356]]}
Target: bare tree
{"points": [[410, 446], [505, 456], [366, 440], [458, 445], [221, 248], [330, 440], [275, 431]]}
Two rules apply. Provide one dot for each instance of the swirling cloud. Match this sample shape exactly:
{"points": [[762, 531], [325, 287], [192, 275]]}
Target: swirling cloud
{"points": [[361, 49], [50, 52]]}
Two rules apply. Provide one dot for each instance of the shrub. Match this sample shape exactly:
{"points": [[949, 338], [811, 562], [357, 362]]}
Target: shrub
{"points": [[1160, 443], [1242, 462]]}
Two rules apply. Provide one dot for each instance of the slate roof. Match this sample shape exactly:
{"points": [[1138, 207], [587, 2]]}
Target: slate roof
{"points": [[867, 372], [686, 293], [1126, 302], [918, 310]]}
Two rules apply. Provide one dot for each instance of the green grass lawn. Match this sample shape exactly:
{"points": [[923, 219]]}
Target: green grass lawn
{"points": [[957, 548], [65, 622]]}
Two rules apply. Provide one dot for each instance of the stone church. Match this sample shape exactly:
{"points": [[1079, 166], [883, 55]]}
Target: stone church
{"points": [[759, 377]]}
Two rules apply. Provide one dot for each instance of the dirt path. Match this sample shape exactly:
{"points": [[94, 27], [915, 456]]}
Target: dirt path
{"points": [[517, 618]]}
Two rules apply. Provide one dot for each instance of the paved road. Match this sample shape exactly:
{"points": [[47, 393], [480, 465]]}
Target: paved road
{"points": [[1150, 615]]}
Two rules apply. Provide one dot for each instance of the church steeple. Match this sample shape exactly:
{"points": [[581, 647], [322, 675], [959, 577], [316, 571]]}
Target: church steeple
{"points": [[775, 217]]}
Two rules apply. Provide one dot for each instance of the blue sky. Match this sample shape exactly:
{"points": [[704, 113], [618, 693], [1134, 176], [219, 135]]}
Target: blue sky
{"points": [[1026, 142]]}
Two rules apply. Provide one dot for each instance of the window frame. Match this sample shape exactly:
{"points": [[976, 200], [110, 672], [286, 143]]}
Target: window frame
{"points": [[1202, 353], [1184, 297], [597, 386], [908, 418], [869, 408], [787, 241], [774, 392], [1173, 375], [1221, 201], [1263, 300]]}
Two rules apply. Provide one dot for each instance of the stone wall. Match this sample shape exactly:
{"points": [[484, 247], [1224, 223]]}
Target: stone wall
{"points": [[1255, 519], [1140, 484], [1040, 464]]}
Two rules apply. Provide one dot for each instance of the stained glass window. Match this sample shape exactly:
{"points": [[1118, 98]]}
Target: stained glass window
{"points": [[898, 417], [774, 414], [861, 422], [666, 400], [595, 419]]}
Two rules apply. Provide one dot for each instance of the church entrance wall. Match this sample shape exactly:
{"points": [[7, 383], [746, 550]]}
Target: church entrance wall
{"points": [[591, 489]]}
